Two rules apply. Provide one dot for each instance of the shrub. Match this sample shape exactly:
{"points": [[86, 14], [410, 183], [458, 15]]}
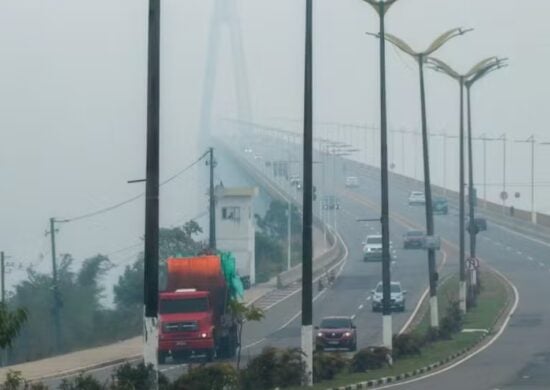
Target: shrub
{"points": [[15, 381], [369, 359], [274, 368], [81, 382], [215, 377], [326, 366], [452, 321], [432, 334], [136, 377], [406, 344]]}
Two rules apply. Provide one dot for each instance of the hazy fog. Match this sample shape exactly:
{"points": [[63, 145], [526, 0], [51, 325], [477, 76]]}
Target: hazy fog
{"points": [[73, 100]]}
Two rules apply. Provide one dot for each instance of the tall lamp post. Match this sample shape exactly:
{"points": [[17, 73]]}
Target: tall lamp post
{"points": [[478, 75], [381, 8], [531, 140], [420, 57], [307, 216], [442, 67]]}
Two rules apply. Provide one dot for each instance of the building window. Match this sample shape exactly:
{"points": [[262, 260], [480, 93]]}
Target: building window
{"points": [[231, 213]]}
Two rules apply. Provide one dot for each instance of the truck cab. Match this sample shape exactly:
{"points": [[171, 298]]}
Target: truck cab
{"points": [[195, 318], [186, 324]]}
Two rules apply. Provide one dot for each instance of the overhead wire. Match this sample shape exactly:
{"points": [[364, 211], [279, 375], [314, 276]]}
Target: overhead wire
{"points": [[132, 199]]}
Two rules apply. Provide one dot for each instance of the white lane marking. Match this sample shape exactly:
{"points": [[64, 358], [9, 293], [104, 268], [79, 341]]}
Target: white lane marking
{"points": [[519, 253], [529, 258], [497, 243], [255, 343], [174, 367], [338, 264], [369, 298], [361, 306], [522, 235], [316, 297], [541, 264], [483, 348], [353, 317], [422, 298], [508, 248]]}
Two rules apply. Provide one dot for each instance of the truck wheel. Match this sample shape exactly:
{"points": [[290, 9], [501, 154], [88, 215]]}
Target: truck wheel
{"points": [[210, 354]]}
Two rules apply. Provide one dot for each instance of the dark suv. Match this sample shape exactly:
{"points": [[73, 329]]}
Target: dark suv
{"points": [[336, 332], [413, 239]]}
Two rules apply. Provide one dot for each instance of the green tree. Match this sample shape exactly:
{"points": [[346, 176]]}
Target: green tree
{"points": [[244, 313], [11, 322], [80, 309], [275, 222], [180, 241]]}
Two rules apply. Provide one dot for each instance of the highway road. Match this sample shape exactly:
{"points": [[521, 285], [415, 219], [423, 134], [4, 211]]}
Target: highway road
{"points": [[519, 359]]}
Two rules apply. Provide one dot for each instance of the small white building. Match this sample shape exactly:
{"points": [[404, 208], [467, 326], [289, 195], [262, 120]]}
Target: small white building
{"points": [[235, 226]]}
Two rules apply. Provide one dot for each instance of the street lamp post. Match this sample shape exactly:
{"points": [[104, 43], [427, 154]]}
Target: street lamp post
{"points": [[476, 76], [307, 216], [476, 72], [420, 57], [381, 8], [532, 141]]}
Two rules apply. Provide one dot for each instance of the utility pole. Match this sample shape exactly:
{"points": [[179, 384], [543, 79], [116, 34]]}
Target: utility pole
{"points": [[151, 258], [56, 296], [212, 233], [307, 218]]}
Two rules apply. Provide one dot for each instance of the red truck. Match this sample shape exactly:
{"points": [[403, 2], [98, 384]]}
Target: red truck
{"points": [[195, 318]]}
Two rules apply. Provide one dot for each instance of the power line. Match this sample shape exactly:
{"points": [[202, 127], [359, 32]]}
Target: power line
{"points": [[132, 199]]}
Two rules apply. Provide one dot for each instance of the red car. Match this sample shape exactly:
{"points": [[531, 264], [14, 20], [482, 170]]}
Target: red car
{"points": [[336, 332]]}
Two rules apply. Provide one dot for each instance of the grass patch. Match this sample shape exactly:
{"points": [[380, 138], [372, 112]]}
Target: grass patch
{"points": [[491, 302]]}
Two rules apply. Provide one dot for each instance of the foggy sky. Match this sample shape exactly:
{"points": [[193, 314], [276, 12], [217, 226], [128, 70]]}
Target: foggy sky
{"points": [[73, 100]]}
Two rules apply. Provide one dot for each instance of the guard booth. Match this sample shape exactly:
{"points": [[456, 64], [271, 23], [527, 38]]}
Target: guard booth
{"points": [[235, 228]]}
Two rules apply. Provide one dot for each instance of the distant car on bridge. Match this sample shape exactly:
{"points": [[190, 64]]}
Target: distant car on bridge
{"points": [[352, 181], [414, 239], [440, 205], [417, 198], [330, 202]]}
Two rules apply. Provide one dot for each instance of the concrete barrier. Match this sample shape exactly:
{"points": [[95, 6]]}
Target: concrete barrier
{"points": [[320, 263], [293, 275]]}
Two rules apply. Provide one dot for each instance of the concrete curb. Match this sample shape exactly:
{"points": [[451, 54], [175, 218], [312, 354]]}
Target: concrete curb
{"points": [[372, 383], [76, 371]]}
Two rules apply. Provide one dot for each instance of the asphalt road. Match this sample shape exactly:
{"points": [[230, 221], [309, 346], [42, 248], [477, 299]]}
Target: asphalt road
{"points": [[519, 359]]}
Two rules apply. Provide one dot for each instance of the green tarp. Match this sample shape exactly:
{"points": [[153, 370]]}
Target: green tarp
{"points": [[230, 272]]}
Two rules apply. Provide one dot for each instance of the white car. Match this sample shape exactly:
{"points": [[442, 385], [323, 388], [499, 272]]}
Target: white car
{"points": [[397, 297], [352, 181], [372, 248], [417, 198]]}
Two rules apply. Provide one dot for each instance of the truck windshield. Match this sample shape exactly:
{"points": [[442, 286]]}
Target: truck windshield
{"points": [[172, 306]]}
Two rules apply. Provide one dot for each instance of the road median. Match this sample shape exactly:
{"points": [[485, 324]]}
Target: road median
{"points": [[481, 326]]}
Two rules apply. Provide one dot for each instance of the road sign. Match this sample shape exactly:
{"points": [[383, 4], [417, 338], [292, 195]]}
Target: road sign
{"points": [[472, 263], [503, 195]]}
